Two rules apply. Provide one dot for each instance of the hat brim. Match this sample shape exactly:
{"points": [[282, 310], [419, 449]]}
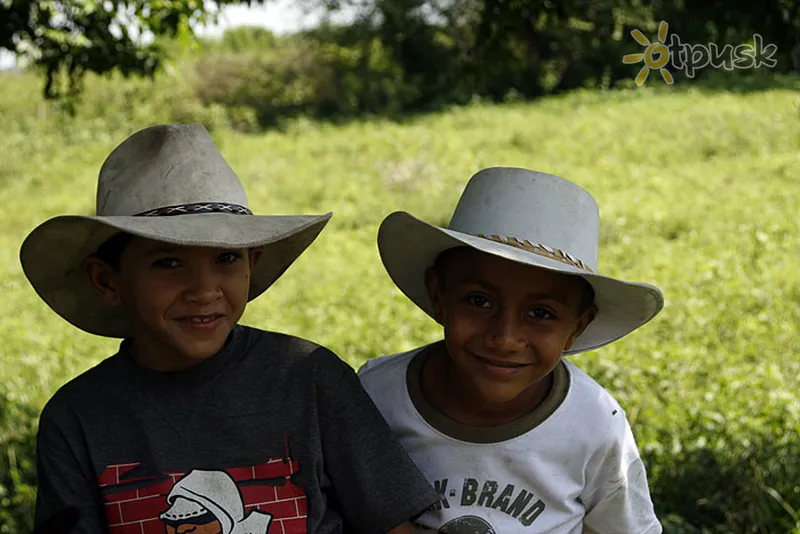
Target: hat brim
{"points": [[409, 246], [52, 255]]}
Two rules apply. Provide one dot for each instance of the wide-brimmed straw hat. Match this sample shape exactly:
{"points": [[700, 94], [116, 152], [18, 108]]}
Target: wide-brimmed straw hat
{"points": [[168, 183], [527, 217]]}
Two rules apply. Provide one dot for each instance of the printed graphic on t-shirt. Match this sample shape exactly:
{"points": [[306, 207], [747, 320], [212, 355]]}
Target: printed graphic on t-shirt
{"points": [[259, 499], [467, 524], [469, 495]]}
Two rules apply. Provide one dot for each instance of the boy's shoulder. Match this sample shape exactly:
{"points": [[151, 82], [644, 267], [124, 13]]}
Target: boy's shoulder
{"points": [[265, 350], [86, 387], [587, 387], [388, 364], [283, 346], [590, 406]]}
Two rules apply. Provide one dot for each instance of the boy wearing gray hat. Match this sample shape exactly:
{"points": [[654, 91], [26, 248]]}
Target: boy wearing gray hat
{"points": [[199, 424], [515, 438]]}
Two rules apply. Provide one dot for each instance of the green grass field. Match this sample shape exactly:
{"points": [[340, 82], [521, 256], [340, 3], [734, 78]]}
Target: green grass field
{"points": [[699, 192]]}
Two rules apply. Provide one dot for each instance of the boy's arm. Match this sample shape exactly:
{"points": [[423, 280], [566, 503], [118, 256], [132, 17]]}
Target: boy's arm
{"points": [[617, 498], [65, 489], [376, 483]]}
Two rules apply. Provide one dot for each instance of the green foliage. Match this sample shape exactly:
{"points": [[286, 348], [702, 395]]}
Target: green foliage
{"points": [[68, 39], [261, 86], [17, 465], [246, 39], [697, 190], [430, 54], [405, 56]]}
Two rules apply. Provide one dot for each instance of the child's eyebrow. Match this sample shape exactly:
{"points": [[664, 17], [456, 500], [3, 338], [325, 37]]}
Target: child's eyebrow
{"points": [[161, 249], [558, 297], [542, 295], [479, 282]]}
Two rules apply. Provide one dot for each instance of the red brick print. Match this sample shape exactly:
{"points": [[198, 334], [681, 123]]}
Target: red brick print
{"points": [[124, 468], [127, 466], [257, 494], [113, 514], [130, 528], [294, 466], [108, 477], [148, 508], [240, 473], [302, 507], [282, 509], [162, 488], [272, 470], [289, 491], [294, 526], [126, 480], [120, 496], [153, 527]]}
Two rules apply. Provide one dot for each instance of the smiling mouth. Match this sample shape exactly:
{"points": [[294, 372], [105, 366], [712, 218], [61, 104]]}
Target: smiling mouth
{"points": [[501, 363], [200, 319]]}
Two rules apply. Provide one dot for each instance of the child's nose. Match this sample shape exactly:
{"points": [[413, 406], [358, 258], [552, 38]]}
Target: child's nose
{"points": [[204, 285], [505, 332]]}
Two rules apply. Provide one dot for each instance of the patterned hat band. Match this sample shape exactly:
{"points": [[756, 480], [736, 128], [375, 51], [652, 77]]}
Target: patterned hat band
{"points": [[195, 208], [540, 249]]}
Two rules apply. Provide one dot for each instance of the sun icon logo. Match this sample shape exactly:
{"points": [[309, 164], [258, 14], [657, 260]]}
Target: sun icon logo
{"points": [[655, 55]]}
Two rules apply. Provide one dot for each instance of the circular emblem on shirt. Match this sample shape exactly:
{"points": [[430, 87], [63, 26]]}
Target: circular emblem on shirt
{"points": [[467, 524]]}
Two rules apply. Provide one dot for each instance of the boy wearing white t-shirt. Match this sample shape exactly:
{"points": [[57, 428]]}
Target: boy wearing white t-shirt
{"points": [[514, 437]]}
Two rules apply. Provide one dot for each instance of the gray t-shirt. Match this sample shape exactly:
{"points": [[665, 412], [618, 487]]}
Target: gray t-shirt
{"points": [[272, 435]]}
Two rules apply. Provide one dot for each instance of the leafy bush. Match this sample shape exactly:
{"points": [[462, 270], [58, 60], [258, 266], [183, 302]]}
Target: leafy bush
{"points": [[298, 76]]}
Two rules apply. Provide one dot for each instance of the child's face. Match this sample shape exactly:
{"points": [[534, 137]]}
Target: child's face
{"points": [[213, 527], [182, 302], [506, 324]]}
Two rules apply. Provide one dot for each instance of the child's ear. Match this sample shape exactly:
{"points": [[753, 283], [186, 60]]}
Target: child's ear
{"points": [[584, 321], [434, 287], [104, 279]]}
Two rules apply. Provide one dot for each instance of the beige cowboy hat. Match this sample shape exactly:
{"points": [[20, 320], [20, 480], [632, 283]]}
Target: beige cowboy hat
{"points": [[168, 183], [527, 217]]}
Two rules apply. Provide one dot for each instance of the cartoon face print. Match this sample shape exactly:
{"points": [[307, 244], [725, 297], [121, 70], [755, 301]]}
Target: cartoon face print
{"points": [[205, 523], [209, 502], [468, 524]]}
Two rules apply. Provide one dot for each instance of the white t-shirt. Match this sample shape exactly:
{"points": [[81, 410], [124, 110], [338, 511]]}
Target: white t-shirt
{"points": [[568, 467]]}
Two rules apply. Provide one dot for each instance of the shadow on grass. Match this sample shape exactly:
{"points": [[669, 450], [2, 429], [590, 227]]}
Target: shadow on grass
{"points": [[709, 81], [740, 82], [755, 490]]}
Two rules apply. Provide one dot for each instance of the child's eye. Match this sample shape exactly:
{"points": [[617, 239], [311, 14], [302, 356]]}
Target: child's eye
{"points": [[229, 257], [478, 301], [167, 263], [541, 313]]}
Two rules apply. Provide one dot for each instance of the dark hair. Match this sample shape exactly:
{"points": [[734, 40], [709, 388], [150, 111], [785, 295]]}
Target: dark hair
{"points": [[587, 297], [111, 250]]}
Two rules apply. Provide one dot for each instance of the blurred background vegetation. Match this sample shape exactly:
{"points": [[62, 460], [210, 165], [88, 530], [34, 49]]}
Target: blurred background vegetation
{"points": [[697, 185]]}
